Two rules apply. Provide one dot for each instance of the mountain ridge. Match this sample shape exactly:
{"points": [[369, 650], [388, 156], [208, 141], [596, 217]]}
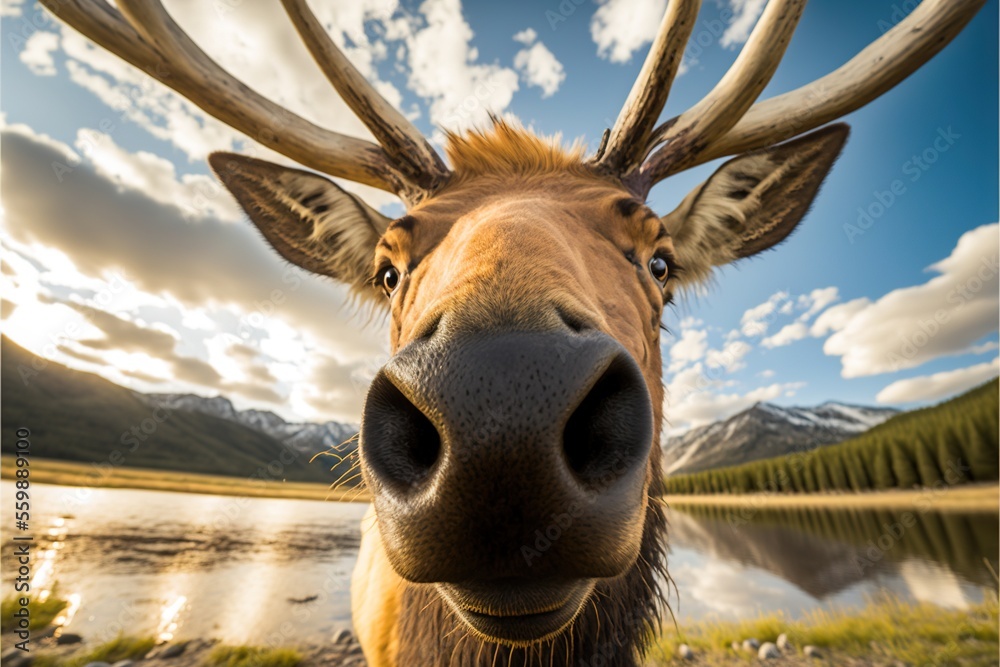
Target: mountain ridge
{"points": [[765, 430]]}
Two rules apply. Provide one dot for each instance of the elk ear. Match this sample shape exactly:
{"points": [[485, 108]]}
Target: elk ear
{"points": [[307, 218], [752, 202]]}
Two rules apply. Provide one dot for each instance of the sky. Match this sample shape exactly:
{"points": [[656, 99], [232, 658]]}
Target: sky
{"points": [[122, 255]]}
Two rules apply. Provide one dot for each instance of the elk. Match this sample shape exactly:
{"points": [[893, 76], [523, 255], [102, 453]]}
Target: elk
{"points": [[509, 441]]}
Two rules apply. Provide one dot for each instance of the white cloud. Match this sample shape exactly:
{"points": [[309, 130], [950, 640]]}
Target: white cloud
{"points": [[745, 13], [756, 320], [37, 53], [526, 36], [622, 27], [444, 69], [910, 326], [694, 399], [11, 7], [193, 194], [729, 357], [939, 385], [690, 347], [206, 275], [816, 301], [537, 65], [837, 317], [787, 335], [766, 374]]}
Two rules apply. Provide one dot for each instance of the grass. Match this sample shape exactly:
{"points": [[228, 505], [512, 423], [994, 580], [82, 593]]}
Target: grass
{"points": [[67, 473], [883, 632], [253, 656], [41, 612], [123, 647], [968, 498]]}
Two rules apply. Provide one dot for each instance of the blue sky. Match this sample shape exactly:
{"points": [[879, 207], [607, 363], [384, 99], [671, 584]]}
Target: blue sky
{"points": [[140, 159]]}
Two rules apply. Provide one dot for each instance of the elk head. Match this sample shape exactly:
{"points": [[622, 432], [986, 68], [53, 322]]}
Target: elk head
{"points": [[525, 287]]}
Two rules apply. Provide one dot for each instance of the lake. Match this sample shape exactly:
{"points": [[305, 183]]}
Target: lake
{"points": [[266, 571]]}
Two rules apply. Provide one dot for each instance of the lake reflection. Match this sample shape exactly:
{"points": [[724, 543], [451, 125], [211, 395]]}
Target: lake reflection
{"points": [[800, 559], [258, 571]]}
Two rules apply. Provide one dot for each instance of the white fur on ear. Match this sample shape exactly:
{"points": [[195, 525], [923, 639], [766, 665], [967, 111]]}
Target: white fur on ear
{"points": [[752, 202], [307, 218]]}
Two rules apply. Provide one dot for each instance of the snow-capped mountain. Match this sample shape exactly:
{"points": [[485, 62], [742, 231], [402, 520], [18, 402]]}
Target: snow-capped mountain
{"points": [[307, 438], [767, 430]]}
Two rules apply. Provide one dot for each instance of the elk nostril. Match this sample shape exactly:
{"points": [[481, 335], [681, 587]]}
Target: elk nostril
{"points": [[400, 445], [610, 431]]}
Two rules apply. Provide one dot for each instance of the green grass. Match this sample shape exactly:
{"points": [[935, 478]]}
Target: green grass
{"points": [[253, 656], [120, 648], [913, 633], [42, 613]]}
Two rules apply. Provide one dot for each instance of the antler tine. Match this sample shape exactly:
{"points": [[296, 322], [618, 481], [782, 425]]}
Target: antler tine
{"points": [[723, 107], [625, 149], [874, 71], [400, 139], [143, 34]]}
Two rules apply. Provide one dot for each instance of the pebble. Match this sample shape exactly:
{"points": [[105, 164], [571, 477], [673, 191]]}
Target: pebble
{"points": [[768, 651], [684, 652], [343, 636], [124, 663], [812, 652], [783, 644], [98, 664], [172, 650], [68, 638], [750, 644]]}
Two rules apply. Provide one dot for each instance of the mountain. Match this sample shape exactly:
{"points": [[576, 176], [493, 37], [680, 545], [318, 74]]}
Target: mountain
{"points": [[77, 416], [767, 430], [306, 438]]}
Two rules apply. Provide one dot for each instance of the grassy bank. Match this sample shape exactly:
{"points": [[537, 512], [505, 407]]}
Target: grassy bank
{"points": [[970, 498], [974, 498], [47, 471], [886, 632]]}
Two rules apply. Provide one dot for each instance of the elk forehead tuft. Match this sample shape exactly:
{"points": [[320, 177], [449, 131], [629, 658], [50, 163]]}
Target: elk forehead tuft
{"points": [[507, 148]]}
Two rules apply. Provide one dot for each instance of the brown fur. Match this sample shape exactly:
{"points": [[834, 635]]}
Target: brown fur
{"points": [[527, 237]]}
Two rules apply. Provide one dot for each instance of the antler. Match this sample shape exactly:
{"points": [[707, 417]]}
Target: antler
{"points": [[404, 143], [724, 122], [143, 33], [625, 148]]}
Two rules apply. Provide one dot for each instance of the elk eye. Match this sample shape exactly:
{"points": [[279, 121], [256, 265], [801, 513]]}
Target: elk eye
{"points": [[390, 280], [658, 267]]}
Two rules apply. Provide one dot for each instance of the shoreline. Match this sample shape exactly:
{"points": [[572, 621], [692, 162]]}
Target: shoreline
{"points": [[69, 473], [966, 498]]}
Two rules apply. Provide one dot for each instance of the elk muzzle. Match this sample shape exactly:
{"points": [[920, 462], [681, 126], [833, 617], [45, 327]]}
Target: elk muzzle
{"points": [[509, 469]]}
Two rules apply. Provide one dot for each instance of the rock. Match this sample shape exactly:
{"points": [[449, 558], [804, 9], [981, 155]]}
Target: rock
{"points": [[684, 652], [751, 644], [68, 638], [812, 652], [768, 651], [736, 645], [98, 664], [124, 663], [16, 658], [783, 644], [172, 650], [343, 636]]}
